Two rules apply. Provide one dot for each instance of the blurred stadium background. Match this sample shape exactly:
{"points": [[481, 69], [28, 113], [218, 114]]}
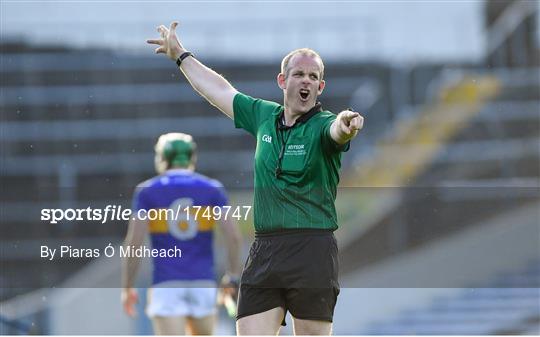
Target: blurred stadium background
{"points": [[439, 196]]}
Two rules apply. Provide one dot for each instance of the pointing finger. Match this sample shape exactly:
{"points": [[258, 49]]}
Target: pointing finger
{"points": [[346, 116], [355, 123], [351, 114], [345, 129]]}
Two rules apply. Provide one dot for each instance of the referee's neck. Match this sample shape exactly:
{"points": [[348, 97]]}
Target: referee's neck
{"points": [[289, 118]]}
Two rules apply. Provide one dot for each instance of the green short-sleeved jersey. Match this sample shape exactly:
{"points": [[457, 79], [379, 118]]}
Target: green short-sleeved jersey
{"points": [[304, 194]]}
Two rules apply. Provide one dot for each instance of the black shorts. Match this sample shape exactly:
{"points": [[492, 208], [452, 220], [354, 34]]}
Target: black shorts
{"points": [[296, 270]]}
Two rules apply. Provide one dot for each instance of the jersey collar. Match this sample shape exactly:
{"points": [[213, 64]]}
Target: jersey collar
{"points": [[302, 119]]}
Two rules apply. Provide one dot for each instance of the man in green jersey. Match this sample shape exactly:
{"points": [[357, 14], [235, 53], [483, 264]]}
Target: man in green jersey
{"points": [[292, 265]]}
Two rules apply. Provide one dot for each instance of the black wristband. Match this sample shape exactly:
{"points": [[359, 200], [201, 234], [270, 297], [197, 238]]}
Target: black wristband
{"points": [[182, 57]]}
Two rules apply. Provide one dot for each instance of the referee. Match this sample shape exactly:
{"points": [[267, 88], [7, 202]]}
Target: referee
{"points": [[292, 265]]}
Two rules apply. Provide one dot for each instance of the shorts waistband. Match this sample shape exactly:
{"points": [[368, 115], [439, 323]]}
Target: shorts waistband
{"points": [[294, 232]]}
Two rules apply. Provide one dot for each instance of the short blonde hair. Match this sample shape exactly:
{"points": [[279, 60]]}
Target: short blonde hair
{"points": [[301, 51]]}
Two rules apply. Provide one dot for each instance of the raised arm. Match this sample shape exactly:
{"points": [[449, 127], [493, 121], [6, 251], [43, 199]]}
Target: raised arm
{"points": [[346, 126], [209, 84]]}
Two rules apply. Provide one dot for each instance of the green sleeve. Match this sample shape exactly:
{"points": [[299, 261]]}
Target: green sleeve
{"points": [[250, 112], [328, 142]]}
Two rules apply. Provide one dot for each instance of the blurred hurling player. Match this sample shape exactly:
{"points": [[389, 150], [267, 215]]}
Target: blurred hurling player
{"points": [[183, 296]]}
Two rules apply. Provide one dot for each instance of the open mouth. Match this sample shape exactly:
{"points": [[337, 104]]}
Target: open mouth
{"points": [[304, 94]]}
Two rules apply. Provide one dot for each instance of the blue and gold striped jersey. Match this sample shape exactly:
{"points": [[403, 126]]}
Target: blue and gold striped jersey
{"points": [[177, 204]]}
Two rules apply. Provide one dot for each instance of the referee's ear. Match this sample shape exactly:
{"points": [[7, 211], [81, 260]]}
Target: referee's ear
{"points": [[322, 84], [281, 81]]}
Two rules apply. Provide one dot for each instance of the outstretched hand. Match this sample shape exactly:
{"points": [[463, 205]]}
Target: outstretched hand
{"points": [[350, 122], [168, 43]]}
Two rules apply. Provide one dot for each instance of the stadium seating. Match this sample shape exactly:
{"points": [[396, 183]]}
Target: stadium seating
{"points": [[489, 161], [509, 304]]}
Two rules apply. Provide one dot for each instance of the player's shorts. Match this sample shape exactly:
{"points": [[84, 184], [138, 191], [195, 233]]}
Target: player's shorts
{"points": [[167, 299], [295, 270]]}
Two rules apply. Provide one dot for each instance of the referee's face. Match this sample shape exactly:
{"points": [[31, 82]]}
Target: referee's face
{"points": [[301, 84]]}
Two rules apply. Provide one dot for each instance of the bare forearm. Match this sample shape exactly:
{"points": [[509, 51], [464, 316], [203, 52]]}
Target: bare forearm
{"points": [[137, 231], [130, 268], [233, 243], [234, 259], [209, 84]]}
